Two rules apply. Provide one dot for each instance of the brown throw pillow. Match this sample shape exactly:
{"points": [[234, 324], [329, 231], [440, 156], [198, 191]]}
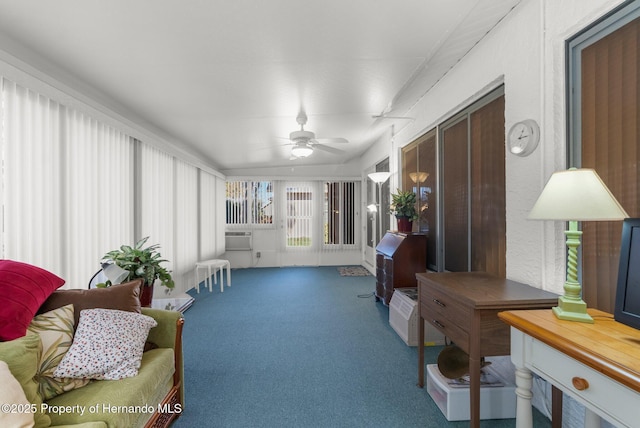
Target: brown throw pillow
{"points": [[124, 297]]}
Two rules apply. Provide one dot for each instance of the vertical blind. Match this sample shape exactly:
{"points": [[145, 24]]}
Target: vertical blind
{"points": [[186, 220], [156, 196], [339, 213], [69, 184], [208, 243], [488, 197], [455, 194], [610, 127], [31, 178], [98, 200], [468, 219]]}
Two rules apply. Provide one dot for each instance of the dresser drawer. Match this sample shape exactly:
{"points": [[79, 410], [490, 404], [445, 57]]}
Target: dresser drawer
{"points": [[601, 394], [446, 326], [440, 305], [446, 314]]}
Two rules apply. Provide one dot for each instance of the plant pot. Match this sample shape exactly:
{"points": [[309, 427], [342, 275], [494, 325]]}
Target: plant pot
{"points": [[404, 224], [146, 295]]}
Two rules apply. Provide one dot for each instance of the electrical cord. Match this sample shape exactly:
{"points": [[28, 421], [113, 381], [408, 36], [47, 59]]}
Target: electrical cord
{"points": [[366, 296]]}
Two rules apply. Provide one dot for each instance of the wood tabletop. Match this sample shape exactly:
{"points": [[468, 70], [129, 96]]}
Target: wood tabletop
{"points": [[606, 345], [484, 291]]}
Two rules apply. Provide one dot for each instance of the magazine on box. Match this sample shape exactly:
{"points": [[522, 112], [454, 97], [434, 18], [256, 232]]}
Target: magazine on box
{"points": [[486, 379]]}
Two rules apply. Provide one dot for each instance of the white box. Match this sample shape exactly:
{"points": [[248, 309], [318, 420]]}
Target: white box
{"points": [[403, 318], [496, 402]]}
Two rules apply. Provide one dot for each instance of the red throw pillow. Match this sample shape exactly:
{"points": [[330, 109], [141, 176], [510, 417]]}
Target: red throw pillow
{"points": [[23, 288]]}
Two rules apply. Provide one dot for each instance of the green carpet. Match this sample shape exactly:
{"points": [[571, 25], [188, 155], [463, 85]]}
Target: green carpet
{"points": [[297, 347]]}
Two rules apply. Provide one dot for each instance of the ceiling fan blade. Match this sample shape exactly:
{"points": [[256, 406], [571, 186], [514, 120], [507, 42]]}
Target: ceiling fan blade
{"points": [[328, 149], [332, 140]]}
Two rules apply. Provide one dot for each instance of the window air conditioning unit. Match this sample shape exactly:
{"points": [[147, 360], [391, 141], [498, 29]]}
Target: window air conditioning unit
{"points": [[238, 241]]}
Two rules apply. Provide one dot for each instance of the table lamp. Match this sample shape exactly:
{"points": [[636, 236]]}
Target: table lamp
{"points": [[575, 195], [109, 271]]}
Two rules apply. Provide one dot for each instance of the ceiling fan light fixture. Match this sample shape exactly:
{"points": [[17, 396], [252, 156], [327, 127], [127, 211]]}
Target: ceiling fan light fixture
{"points": [[301, 150]]}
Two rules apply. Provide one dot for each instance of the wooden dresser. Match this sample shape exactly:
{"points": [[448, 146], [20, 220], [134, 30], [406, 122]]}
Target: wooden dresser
{"points": [[464, 306], [597, 364], [399, 256]]}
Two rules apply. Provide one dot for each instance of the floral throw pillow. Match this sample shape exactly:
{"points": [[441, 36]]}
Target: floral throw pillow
{"points": [[55, 329], [108, 344]]}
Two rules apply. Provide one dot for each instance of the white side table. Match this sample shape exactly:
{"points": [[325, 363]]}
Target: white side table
{"points": [[596, 364], [212, 267]]}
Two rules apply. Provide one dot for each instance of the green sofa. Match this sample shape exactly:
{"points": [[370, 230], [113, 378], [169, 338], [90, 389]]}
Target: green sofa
{"points": [[153, 398]]}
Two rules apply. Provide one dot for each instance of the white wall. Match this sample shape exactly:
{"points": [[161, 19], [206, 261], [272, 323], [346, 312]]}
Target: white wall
{"points": [[525, 52]]}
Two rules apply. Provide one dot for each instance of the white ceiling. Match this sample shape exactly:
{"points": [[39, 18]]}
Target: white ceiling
{"points": [[227, 78]]}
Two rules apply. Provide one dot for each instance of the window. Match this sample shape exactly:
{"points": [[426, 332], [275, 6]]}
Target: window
{"points": [[339, 213], [249, 203]]}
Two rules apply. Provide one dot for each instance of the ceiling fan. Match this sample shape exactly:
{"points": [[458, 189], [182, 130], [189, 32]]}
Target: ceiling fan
{"points": [[305, 142]]}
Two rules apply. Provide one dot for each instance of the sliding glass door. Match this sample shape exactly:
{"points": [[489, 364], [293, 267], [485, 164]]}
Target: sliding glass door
{"points": [[604, 131], [457, 171]]}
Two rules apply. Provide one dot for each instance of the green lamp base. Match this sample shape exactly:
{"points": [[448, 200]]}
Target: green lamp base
{"points": [[572, 310]]}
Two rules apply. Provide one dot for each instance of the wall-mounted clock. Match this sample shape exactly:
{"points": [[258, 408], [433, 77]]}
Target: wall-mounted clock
{"points": [[523, 137]]}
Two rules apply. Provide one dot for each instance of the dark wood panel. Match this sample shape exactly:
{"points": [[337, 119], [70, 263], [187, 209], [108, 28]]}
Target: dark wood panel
{"points": [[488, 198], [610, 128], [455, 197], [428, 195]]}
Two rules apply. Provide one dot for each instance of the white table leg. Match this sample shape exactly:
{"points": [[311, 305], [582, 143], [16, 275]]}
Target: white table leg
{"points": [[524, 383], [228, 265]]}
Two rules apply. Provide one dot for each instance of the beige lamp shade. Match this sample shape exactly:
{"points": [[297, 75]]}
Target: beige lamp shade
{"points": [[379, 177], [577, 195], [418, 177]]}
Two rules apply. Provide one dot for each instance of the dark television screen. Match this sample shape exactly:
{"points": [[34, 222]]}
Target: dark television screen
{"points": [[627, 309]]}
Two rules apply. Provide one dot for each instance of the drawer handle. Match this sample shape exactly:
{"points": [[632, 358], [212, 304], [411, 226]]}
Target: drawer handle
{"points": [[579, 383], [439, 303], [438, 324]]}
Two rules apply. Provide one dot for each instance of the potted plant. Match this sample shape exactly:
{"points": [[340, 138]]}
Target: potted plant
{"points": [[403, 206], [142, 263]]}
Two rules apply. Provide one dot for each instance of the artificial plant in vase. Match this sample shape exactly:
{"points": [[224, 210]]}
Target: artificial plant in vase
{"points": [[403, 206], [142, 262]]}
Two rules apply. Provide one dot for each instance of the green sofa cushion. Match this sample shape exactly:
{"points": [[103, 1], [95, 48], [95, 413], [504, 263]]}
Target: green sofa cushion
{"points": [[22, 356], [114, 401]]}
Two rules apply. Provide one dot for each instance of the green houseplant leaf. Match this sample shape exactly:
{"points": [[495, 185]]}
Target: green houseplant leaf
{"points": [[403, 204], [141, 262]]}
